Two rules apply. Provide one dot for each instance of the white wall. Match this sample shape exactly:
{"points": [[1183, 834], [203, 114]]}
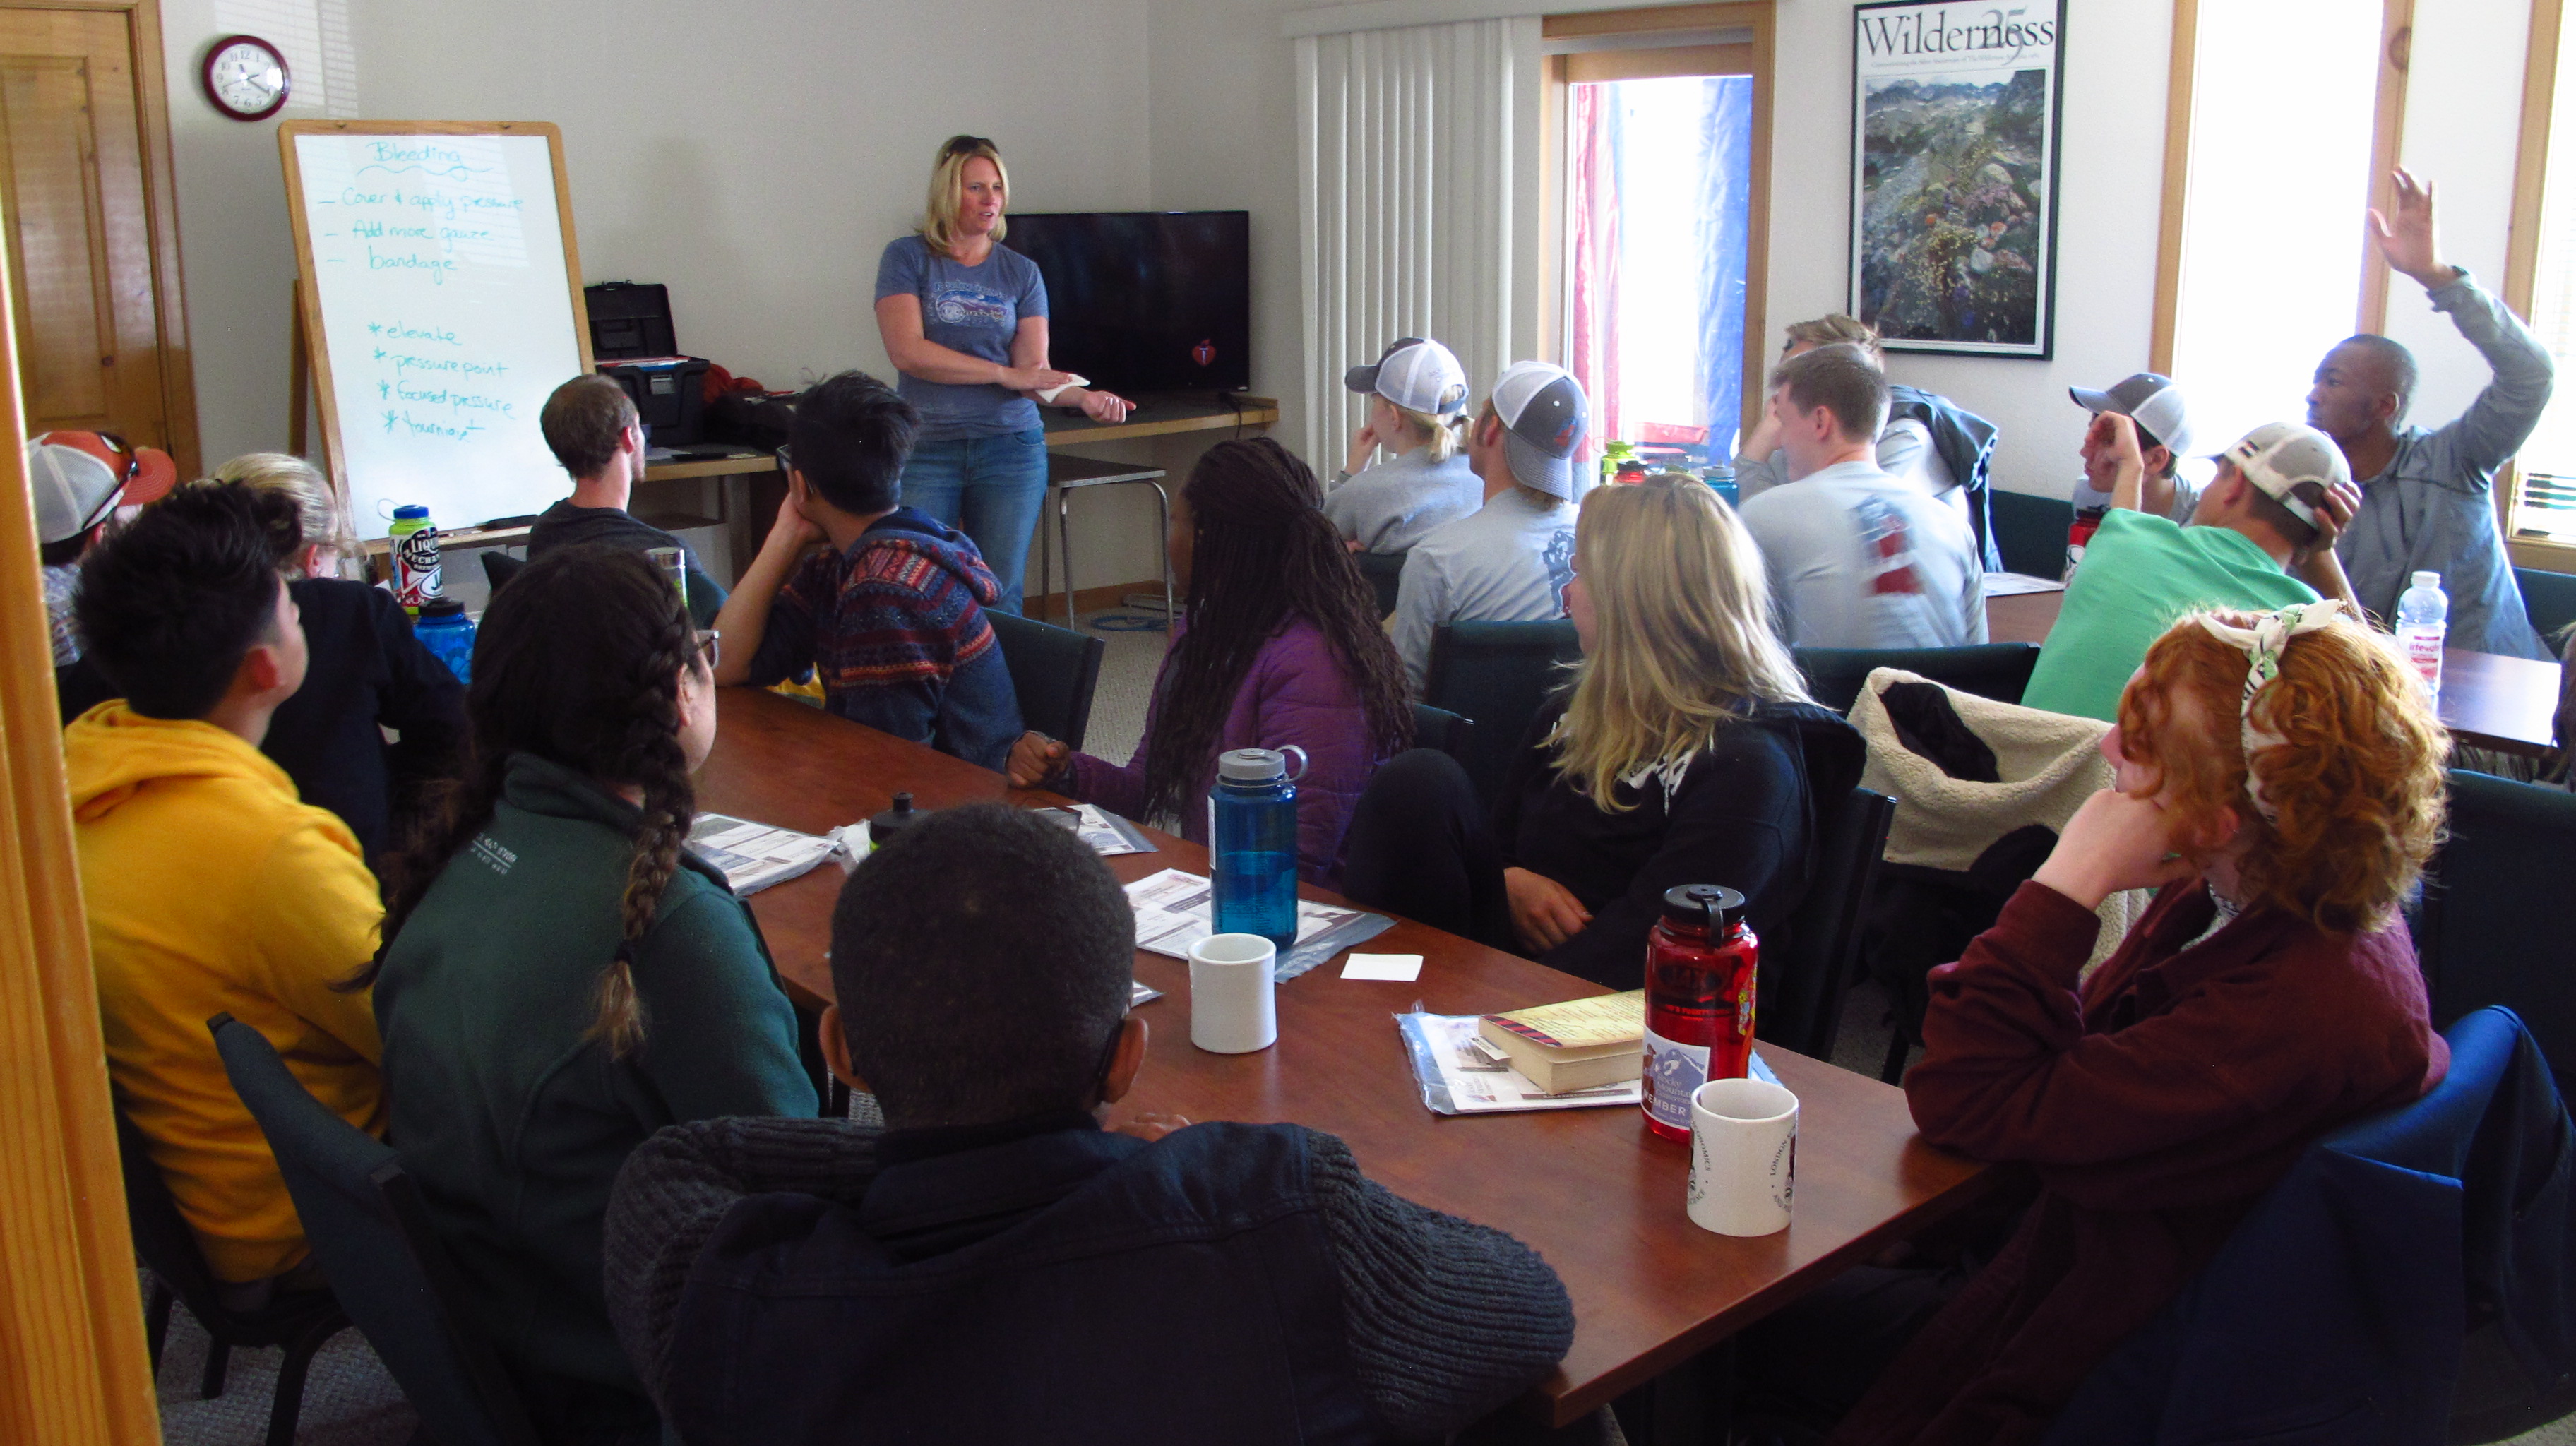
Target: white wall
{"points": [[2463, 128], [756, 159], [2111, 166], [757, 165]]}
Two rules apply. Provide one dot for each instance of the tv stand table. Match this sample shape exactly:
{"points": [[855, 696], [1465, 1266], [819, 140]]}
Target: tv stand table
{"points": [[1160, 414], [1156, 415]]}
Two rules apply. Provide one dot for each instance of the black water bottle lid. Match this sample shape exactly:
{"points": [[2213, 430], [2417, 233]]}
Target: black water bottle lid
{"points": [[893, 821], [442, 607], [1691, 904]]}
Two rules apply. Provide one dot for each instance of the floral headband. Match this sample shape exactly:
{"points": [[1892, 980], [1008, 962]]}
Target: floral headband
{"points": [[2262, 643]]}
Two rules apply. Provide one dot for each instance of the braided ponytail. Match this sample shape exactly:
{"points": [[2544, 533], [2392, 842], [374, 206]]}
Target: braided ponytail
{"points": [[653, 761], [577, 662]]}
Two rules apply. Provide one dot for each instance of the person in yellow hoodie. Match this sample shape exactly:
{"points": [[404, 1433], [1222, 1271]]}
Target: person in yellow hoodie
{"points": [[210, 888]]}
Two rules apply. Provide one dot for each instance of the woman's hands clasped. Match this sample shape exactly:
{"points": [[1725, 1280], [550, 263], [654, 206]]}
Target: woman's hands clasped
{"points": [[1544, 912], [1034, 759]]}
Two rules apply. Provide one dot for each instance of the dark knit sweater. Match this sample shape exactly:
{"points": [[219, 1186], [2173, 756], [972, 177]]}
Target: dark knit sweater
{"points": [[1443, 1320], [895, 627]]}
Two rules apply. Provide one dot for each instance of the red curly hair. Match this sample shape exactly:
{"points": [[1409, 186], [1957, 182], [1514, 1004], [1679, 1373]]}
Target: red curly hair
{"points": [[2357, 779]]}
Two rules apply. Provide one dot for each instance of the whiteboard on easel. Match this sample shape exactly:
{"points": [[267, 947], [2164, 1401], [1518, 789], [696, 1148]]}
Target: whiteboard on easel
{"points": [[441, 303]]}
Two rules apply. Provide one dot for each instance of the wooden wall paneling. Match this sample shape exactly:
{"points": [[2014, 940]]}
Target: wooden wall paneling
{"points": [[73, 1367], [2522, 248], [2396, 41], [2169, 229]]}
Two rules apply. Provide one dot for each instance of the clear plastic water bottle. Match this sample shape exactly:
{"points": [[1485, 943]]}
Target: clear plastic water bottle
{"points": [[1252, 843], [448, 633], [2422, 623]]}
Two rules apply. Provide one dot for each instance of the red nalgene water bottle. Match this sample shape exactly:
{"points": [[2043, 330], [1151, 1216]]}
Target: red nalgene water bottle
{"points": [[1700, 964]]}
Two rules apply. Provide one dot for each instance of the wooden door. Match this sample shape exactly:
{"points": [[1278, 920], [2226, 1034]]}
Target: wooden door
{"points": [[96, 307]]}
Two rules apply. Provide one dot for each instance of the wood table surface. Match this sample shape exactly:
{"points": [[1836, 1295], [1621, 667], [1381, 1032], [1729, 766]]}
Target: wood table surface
{"points": [[2488, 701], [1589, 1189]]}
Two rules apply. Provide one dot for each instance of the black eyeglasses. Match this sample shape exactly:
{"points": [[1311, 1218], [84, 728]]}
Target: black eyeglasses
{"points": [[966, 146]]}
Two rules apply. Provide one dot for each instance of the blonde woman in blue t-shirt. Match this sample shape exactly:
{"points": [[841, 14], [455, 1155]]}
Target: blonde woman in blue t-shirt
{"points": [[964, 320]]}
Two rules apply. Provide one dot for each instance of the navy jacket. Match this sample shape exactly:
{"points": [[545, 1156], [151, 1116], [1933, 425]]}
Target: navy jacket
{"points": [[2337, 1310], [1965, 443]]}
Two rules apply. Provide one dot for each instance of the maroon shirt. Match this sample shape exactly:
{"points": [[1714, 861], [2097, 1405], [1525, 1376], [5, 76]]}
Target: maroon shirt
{"points": [[2156, 1105]]}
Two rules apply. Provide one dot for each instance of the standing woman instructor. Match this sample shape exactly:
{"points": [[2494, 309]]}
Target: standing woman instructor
{"points": [[965, 321]]}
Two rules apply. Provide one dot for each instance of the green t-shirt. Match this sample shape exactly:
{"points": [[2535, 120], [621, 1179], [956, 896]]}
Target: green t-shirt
{"points": [[2139, 574]]}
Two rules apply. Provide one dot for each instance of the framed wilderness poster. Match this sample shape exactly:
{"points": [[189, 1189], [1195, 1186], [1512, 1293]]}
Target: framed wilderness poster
{"points": [[1954, 173]]}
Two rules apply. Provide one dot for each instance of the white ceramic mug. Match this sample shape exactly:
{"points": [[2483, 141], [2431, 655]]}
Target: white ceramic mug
{"points": [[1744, 1156], [1231, 1008]]}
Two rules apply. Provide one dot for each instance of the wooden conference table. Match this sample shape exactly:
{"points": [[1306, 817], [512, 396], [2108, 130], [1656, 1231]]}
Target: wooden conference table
{"points": [[2488, 701], [1588, 1188]]}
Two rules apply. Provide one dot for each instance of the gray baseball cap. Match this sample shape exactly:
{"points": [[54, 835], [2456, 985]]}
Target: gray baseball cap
{"points": [[1417, 375], [2278, 456], [1544, 420], [2154, 402]]}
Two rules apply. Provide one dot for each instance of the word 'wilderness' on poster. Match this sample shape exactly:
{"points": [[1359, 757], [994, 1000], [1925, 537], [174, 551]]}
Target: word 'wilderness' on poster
{"points": [[1954, 173]]}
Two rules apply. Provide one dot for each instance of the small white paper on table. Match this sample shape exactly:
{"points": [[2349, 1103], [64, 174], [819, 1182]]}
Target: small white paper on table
{"points": [[1394, 968]]}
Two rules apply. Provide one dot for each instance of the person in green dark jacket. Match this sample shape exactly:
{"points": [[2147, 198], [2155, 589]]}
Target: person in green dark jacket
{"points": [[560, 977]]}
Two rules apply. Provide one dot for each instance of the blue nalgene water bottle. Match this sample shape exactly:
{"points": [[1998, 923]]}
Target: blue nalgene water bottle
{"points": [[1252, 843], [448, 633]]}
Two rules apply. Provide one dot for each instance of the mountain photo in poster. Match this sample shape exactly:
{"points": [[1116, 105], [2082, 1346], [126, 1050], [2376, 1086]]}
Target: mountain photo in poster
{"points": [[1954, 174]]}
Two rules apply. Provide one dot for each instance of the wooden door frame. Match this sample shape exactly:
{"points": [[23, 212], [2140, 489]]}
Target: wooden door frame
{"points": [[161, 215]]}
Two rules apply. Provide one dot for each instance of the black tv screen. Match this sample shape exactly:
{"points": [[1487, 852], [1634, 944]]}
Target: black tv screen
{"points": [[1145, 301]]}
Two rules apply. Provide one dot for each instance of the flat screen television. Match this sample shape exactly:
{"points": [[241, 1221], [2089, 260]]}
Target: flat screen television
{"points": [[1145, 301]]}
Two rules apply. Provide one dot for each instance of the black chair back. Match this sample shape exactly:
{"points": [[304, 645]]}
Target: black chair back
{"points": [[1439, 728], [1802, 1005], [2030, 531], [1498, 674], [1053, 670], [2548, 599], [1384, 571], [2493, 929], [364, 1218], [299, 1321], [1990, 670], [499, 567]]}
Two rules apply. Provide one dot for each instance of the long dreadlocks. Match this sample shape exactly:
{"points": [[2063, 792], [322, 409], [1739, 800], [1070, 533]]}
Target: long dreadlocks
{"points": [[1261, 550]]}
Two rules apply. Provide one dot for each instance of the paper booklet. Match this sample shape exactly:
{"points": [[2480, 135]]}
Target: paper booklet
{"points": [[755, 855], [1107, 833], [2014, 584], [1461, 1074], [1173, 908]]}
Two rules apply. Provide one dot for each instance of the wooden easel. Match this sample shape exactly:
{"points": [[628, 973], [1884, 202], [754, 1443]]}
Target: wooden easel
{"points": [[299, 382]]}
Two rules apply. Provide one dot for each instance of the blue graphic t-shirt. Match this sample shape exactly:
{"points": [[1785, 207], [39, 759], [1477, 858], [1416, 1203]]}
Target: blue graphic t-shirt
{"points": [[970, 309]]}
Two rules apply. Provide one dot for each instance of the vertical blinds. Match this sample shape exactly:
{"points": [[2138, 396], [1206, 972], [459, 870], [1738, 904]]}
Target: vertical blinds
{"points": [[1407, 173]]}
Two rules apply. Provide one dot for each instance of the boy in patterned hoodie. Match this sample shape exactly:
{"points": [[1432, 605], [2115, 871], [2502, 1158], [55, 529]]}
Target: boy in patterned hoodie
{"points": [[891, 612]]}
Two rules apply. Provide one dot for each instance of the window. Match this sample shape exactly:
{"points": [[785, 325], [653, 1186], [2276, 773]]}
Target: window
{"points": [[2265, 261], [2540, 283], [1658, 137], [1658, 199]]}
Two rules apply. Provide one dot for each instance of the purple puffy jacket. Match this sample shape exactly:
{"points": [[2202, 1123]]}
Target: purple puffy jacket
{"points": [[1296, 691]]}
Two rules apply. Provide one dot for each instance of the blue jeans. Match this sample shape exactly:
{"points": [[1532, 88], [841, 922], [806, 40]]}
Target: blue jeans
{"points": [[993, 488]]}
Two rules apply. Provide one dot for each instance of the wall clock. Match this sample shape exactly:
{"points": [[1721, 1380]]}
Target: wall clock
{"points": [[245, 77]]}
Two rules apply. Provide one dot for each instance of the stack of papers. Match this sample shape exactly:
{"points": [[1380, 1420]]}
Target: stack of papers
{"points": [[1107, 833], [1173, 912], [2014, 584], [755, 855], [1460, 1074]]}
